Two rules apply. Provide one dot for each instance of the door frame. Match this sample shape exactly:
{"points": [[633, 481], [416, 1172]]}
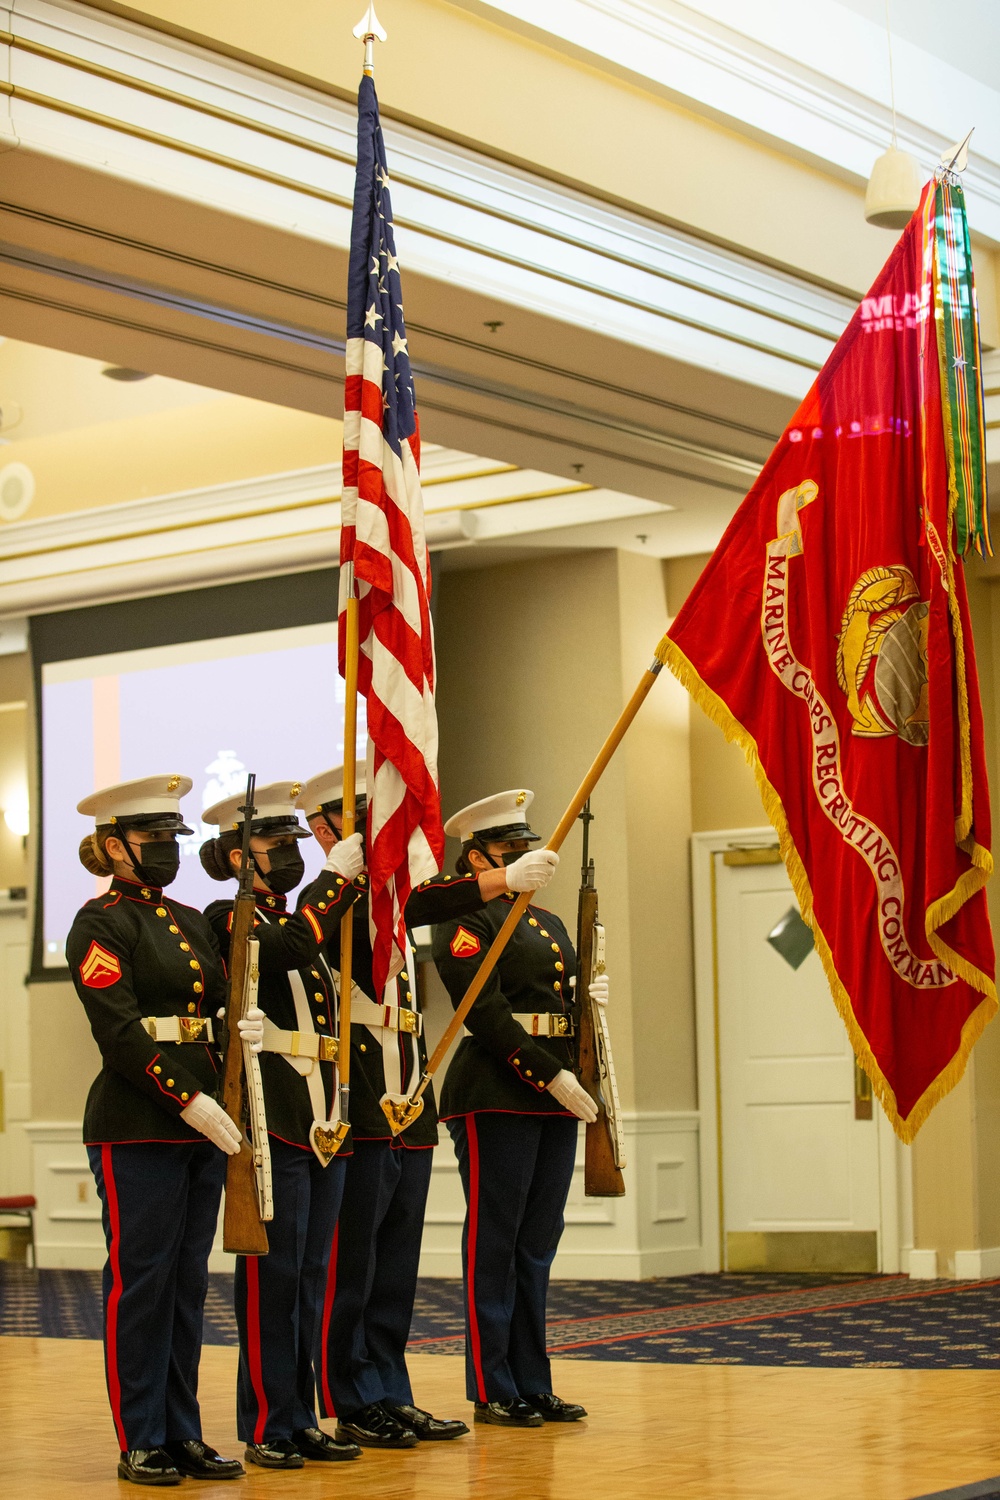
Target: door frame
{"points": [[16, 909], [893, 1164]]}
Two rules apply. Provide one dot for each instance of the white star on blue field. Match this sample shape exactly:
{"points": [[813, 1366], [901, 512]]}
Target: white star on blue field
{"points": [[375, 296]]}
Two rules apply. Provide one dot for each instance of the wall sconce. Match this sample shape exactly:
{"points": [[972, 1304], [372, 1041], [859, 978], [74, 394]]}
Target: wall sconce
{"points": [[17, 816]]}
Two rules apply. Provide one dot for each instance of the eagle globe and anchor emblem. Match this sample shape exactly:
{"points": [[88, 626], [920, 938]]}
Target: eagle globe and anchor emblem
{"points": [[882, 656]]}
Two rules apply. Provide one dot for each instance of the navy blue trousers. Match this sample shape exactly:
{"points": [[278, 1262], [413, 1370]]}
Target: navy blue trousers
{"points": [[516, 1171], [279, 1297], [160, 1205], [373, 1278]]}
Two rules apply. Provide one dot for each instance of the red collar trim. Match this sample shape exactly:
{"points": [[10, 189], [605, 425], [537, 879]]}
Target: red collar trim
{"points": [[268, 902], [153, 894]]}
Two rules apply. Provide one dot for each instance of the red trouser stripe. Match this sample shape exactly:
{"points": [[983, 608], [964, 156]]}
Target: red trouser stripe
{"points": [[331, 1292], [473, 1236], [111, 1316], [253, 1345]]}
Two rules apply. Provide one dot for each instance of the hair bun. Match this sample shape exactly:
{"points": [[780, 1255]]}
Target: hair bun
{"points": [[215, 861], [92, 857]]}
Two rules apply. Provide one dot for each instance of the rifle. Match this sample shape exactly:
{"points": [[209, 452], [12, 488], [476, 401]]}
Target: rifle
{"points": [[248, 1174], [605, 1155]]}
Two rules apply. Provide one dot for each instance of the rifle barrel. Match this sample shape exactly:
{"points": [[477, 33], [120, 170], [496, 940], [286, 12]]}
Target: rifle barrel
{"points": [[586, 818]]}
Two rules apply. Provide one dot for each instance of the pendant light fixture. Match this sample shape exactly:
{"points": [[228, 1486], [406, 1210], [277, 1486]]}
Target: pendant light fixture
{"points": [[894, 186]]}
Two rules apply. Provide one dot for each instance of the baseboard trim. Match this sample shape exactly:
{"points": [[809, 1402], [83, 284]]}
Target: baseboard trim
{"points": [[63, 1256], [922, 1265], [589, 1265], [977, 1265], [82, 1257]]}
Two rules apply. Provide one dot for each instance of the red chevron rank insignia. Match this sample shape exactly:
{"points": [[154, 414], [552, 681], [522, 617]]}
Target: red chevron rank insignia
{"points": [[464, 944], [100, 968]]}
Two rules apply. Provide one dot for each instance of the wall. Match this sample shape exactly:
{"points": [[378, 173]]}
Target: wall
{"points": [[956, 1177], [15, 693], [535, 662], [723, 790], [513, 712], [658, 774]]}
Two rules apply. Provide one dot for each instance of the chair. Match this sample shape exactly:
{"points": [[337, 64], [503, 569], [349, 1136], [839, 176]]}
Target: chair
{"points": [[23, 1208]]}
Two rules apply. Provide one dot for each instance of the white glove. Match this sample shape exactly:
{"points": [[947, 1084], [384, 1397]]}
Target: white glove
{"points": [[598, 991], [346, 858], [532, 871], [211, 1120], [251, 1028], [572, 1096]]}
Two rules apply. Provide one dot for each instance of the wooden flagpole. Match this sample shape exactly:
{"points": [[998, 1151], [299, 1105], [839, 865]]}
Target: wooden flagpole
{"points": [[368, 31], [350, 807]]}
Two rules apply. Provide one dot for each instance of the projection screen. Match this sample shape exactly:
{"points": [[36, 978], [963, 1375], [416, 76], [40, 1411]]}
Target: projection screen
{"points": [[213, 707]]}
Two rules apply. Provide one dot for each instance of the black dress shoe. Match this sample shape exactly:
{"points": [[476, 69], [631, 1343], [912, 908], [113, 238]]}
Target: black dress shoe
{"points": [[373, 1427], [313, 1443], [148, 1466], [516, 1413], [552, 1409], [429, 1429], [196, 1460], [280, 1453]]}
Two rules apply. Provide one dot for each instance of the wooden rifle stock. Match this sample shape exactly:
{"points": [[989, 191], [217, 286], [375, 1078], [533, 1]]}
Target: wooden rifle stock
{"points": [[602, 1178], [243, 1232]]}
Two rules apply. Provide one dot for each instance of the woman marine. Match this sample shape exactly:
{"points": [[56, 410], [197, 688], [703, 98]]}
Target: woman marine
{"points": [[279, 1296], [511, 1102], [150, 977]]}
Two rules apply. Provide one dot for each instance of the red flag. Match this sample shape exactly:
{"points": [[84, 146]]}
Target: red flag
{"points": [[829, 635]]}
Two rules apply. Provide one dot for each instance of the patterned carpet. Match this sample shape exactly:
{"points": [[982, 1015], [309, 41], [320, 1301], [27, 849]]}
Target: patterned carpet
{"points": [[886, 1322]]}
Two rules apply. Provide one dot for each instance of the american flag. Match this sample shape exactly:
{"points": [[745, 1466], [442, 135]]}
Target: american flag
{"points": [[383, 536]]}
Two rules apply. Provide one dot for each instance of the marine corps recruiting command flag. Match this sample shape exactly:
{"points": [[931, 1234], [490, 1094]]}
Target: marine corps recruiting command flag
{"points": [[382, 536], [829, 636]]}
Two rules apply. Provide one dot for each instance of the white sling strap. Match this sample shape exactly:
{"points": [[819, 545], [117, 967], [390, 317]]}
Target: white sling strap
{"points": [[307, 1067], [311, 1071], [388, 1036], [391, 1038]]}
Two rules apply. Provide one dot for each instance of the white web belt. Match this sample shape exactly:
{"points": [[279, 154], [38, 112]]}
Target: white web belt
{"points": [[388, 1024], [179, 1028]]}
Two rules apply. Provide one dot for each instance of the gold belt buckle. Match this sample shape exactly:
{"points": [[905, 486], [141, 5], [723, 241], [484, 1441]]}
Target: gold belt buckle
{"points": [[406, 1020], [329, 1049], [193, 1028], [561, 1025]]}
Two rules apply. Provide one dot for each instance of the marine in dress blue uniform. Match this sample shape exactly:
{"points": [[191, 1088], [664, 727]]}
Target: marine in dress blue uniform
{"points": [[279, 1296], [511, 1102], [150, 977], [372, 1280]]}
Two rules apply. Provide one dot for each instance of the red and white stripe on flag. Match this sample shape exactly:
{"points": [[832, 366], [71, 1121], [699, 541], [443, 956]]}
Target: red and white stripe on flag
{"points": [[383, 536]]}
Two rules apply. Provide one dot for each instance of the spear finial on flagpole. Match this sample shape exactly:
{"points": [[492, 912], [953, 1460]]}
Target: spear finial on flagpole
{"points": [[369, 30], [956, 158]]}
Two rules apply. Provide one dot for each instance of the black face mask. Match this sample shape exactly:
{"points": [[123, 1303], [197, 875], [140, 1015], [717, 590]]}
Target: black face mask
{"points": [[159, 863], [505, 859], [360, 826], [287, 868]]}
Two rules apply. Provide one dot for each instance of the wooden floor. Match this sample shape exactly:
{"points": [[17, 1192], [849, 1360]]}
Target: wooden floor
{"points": [[687, 1432]]}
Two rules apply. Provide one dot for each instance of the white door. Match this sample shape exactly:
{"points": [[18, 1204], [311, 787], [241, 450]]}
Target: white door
{"points": [[800, 1139], [15, 1076]]}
